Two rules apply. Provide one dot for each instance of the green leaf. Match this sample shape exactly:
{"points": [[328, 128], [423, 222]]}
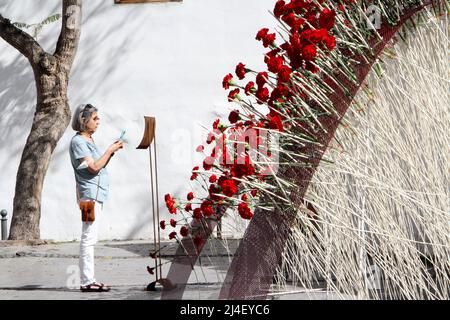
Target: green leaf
{"points": [[52, 18], [37, 27], [21, 25]]}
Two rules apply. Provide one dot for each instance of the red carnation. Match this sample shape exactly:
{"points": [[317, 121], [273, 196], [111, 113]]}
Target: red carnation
{"points": [[262, 94], [244, 211], [289, 18], [173, 223], [279, 92], [234, 94], [239, 170], [292, 21], [162, 224], [190, 196], [275, 123], [261, 78], [233, 117], [312, 19], [197, 214], [279, 8], [269, 39], [213, 179], [227, 81], [262, 33], [172, 235], [254, 192], [309, 52], [318, 35], [300, 5], [330, 42], [229, 187], [188, 207], [275, 63], [241, 71], [194, 174], [184, 231], [285, 74], [244, 197], [249, 88], [170, 203], [298, 23], [326, 18], [207, 208]]}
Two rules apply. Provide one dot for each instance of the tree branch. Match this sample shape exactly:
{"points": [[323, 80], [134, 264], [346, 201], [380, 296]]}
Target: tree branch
{"points": [[70, 31], [20, 40]]}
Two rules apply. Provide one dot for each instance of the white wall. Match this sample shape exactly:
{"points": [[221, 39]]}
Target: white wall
{"points": [[162, 60]]}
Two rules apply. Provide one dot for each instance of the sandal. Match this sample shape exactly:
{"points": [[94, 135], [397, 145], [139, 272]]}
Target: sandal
{"points": [[95, 287]]}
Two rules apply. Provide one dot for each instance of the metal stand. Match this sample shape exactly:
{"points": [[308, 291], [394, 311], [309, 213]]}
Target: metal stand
{"points": [[149, 139]]}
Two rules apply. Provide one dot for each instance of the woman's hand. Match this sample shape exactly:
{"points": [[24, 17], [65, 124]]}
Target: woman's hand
{"points": [[94, 167], [115, 146]]}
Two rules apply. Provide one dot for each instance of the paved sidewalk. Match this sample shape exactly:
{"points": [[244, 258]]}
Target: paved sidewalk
{"points": [[49, 270]]}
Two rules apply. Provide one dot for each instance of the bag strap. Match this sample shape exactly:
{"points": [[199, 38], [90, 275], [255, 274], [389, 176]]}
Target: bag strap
{"points": [[98, 185]]}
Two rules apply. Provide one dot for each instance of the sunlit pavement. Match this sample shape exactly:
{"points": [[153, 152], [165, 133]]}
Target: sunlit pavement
{"points": [[50, 272]]}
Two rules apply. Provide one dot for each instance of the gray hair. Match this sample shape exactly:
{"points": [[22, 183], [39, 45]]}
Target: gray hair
{"points": [[81, 116]]}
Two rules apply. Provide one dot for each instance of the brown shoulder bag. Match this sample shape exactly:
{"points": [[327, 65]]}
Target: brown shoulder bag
{"points": [[87, 211], [88, 207]]}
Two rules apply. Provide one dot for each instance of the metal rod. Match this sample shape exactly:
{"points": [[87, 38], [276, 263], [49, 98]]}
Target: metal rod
{"points": [[157, 202], [153, 212], [4, 213]]}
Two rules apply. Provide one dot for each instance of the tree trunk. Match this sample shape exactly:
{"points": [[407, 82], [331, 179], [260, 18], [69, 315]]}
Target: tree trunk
{"points": [[51, 118], [50, 121]]}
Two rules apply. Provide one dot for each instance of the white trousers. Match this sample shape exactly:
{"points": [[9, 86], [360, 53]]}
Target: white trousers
{"points": [[89, 236]]}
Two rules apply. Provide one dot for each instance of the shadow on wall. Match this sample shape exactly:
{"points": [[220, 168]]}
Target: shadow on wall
{"points": [[101, 53], [18, 93], [17, 105]]}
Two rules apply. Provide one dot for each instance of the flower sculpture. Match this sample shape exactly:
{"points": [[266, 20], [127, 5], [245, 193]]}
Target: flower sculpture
{"points": [[260, 160]]}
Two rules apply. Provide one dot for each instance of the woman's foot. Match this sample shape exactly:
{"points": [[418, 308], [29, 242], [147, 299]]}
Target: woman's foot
{"points": [[95, 287]]}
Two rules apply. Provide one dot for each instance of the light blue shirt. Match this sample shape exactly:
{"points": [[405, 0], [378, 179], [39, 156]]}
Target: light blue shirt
{"points": [[88, 183]]}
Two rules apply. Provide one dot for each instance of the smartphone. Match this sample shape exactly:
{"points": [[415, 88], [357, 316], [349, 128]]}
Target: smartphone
{"points": [[122, 134]]}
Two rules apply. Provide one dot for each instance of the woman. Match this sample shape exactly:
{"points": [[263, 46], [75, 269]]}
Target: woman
{"points": [[91, 184]]}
